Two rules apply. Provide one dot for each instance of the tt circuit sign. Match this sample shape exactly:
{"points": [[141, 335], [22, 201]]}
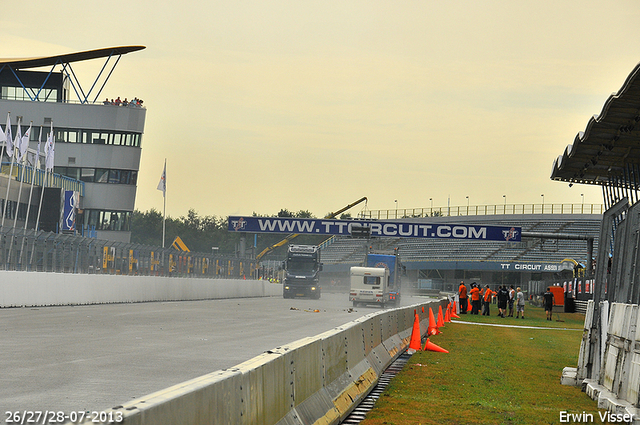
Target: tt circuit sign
{"points": [[406, 229]]}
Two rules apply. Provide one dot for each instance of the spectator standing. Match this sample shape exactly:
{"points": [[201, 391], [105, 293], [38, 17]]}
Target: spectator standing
{"points": [[519, 303], [475, 298], [512, 298], [548, 303], [488, 293], [462, 297], [503, 297]]}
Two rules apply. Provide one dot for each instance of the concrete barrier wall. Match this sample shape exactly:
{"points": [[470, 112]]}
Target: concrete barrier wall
{"points": [[616, 383], [316, 380], [43, 289]]}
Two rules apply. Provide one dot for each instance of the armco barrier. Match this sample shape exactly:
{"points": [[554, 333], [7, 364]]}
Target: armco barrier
{"points": [[43, 289], [316, 380]]}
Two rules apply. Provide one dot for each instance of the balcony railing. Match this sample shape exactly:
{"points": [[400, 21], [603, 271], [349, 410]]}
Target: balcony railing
{"points": [[500, 209], [25, 174]]}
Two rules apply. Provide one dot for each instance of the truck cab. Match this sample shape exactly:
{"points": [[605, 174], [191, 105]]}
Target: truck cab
{"points": [[302, 272]]}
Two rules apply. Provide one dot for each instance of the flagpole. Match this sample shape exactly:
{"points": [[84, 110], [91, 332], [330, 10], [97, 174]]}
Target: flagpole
{"points": [[164, 208], [47, 152], [5, 139], [33, 177], [33, 180], [22, 162], [6, 198], [23, 148]]}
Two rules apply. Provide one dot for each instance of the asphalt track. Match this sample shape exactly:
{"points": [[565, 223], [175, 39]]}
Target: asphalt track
{"points": [[98, 356]]}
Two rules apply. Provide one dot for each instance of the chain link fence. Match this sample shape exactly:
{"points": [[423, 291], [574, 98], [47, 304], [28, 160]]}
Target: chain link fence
{"points": [[27, 250]]}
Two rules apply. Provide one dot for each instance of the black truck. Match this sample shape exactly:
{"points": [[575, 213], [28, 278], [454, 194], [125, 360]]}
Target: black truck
{"points": [[301, 272]]}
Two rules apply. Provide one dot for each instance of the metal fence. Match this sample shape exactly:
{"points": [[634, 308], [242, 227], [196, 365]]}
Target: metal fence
{"points": [[28, 250], [499, 209]]}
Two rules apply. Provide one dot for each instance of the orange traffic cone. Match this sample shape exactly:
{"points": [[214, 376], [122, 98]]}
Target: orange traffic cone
{"points": [[430, 346], [447, 317], [469, 308], [416, 343], [440, 322], [433, 326], [453, 314]]}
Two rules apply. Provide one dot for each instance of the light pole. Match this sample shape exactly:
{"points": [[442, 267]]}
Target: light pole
{"points": [[505, 200], [582, 195], [396, 201], [467, 202]]}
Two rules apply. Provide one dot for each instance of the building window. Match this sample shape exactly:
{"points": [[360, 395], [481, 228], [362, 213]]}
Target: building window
{"points": [[97, 137], [107, 220], [99, 175]]}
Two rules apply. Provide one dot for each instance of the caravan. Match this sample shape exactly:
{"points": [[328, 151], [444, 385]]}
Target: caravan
{"points": [[373, 285]]}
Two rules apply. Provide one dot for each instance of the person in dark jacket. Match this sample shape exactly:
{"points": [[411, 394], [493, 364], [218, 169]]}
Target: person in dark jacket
{"points": [[548, 303], [503, 297]]}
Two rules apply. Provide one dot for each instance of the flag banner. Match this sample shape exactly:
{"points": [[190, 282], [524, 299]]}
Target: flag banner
{"points": [[3, 134], [406, 229], [9, 138], [24, 143], [49, 151], [36, 160], [163, 180], [70, 203], [17, 142]]}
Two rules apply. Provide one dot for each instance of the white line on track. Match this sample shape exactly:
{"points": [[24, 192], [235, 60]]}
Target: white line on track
{"points": [[516, 326]]}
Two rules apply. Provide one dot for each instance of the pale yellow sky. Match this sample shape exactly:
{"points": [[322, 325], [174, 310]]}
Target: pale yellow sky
{"points": [[259, 105]]}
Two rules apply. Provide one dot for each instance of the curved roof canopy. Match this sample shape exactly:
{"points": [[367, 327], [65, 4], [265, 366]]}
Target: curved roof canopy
{"points": [[17, 67], [26, 63], [608, 151]]}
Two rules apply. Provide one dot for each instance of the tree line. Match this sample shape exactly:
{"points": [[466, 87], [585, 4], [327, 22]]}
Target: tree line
{"points": [[202, 233]]}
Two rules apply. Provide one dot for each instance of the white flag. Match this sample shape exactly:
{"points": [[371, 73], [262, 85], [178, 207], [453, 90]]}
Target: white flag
{"points": [[163, 180], [34, 160], [17, 141], [24, 143], [49, 150], [3, 135], [8, 137]]}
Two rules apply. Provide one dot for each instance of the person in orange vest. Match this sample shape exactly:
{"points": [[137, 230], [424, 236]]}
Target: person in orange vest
{"points": [[462, 296], [488, 293], [475, 298]]}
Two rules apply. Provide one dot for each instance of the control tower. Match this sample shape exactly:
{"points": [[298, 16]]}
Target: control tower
{"points": [[98, 143]]}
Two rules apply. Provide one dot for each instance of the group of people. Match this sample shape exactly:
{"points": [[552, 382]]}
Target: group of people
{"points": [[134, 102], [481, 299]]}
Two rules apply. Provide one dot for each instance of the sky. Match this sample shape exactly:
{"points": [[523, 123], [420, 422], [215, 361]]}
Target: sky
{"points": [[260, 106]]}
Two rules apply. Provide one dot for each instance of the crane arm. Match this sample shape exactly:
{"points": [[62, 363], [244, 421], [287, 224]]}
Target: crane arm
{"points": [[294, 235]]}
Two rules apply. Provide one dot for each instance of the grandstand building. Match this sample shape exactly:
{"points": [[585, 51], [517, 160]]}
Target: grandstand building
{"points": [[439, 264], [98, 144]]}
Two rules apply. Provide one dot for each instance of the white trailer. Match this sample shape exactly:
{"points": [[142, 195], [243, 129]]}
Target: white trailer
{"points": [[371, 285]]}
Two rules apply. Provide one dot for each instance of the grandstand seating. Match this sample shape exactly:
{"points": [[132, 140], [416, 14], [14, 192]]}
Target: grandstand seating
{"points": [[351, 251]]}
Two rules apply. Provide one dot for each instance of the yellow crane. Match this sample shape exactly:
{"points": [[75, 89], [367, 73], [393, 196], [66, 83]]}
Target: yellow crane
{"points": [[293, 235]]}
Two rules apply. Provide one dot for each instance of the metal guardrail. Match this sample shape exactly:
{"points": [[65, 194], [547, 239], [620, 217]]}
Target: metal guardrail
{"points": [[484, 210], [68, 253]]}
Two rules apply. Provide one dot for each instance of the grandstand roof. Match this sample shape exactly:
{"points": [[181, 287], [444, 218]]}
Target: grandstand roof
{"points": [[608, 151], [37, 62]]}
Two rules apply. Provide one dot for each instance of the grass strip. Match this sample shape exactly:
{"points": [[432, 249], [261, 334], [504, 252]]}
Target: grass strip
{"points": [[492, 375]]}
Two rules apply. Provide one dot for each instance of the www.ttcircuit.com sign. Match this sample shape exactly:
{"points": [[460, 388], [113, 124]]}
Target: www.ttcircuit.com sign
{"points": [[405, 229]]}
